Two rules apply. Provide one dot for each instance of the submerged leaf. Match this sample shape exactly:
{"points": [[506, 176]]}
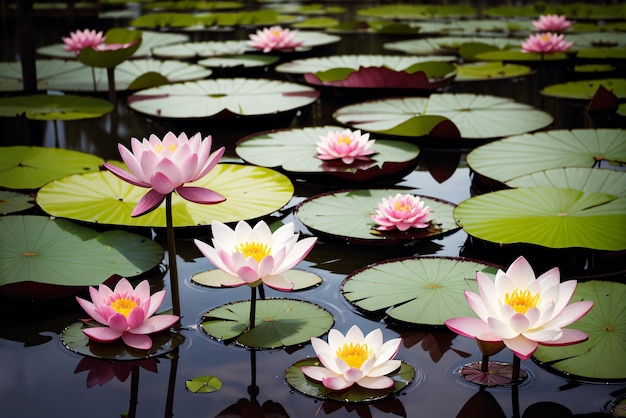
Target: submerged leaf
{"points": [[203, 384]]}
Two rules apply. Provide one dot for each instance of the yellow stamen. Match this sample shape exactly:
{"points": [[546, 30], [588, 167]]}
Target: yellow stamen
{"points": [[344, 139], [160, 147], [403, 208], [354, 354], [544, 37], [276, 33], [123, 306], [256, 250], [521, 301]]}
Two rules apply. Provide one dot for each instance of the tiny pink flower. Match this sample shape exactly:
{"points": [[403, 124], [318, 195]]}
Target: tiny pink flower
{"points": [[274, 38], [551, 23], [79, 40], [401, 212], [523, 311], [126, 312], [116, 46], [256, 255], [165, 166], [354, 358], [346, 145], [546, 43]]}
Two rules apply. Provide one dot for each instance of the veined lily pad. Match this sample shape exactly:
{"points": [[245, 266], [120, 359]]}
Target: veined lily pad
{"points": [[519, 56], [221, 97], [475, 116], [294, 150], [447, 44], [250, 192], [548, 216], [601, 357], [417, 291], [490, 71], [203, 384], [412, 11], [279, 323], [46, 258], [346, 215], [24, 167], [512, 157], [244, 60], [54, 107], [354, 394], [217, 278], [14, 202], [200, 49], [208, 20], [585, 89]]}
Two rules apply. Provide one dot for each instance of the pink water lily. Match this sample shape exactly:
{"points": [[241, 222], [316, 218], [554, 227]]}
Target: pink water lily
{"points": [[401, 212], [551, 23], [354, 358], [523, 311], [345, 145], [165, 166], [546, 43], [115, 46], [256, 255], [274, 38], [79, 40], [126, 312]]}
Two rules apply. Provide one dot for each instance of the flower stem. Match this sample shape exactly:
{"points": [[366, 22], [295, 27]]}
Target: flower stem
{"points": [[171, 250], [111, 82], [252, 319], [516, 369], [484, 364], [134, 390]]}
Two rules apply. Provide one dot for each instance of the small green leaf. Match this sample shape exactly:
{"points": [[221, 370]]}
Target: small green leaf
{"points": [[112, 58], [147, 80], [54, 107], [203, 384], [14, 202]]}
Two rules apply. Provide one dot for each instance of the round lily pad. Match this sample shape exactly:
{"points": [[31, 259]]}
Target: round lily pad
{"points": [[490, 71], [548, 216], [23, 167], [601, 357], [346, 215], [447, 44], [54, 107], [416, 291], [513, 157], [251, 192], [14, 202], [407, 11], [294, 151], [354, 394], [74, 339], [226, 97], [243, 60], [203, 384], [45, 258], [475, 116], [586, 89], [189, 50], [279, 323], [216, 278]]}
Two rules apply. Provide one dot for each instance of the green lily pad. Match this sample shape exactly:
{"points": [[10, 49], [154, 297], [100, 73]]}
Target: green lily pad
{"points": [[188, 50], [548, 216], [54, 107], [490, 71], [74, 339], [165, 20], [40, 254], [203, 384], [216, 278], [192, 5], [448, 44], [602, 53], [112, 57], [23, 167], [316, 23], [279, 323], [244, 60], [14, 202], [601, 357], [294, 151], [251, 192], [354, 394], [412, 11], [345, 215], [475, 116], [519, 56], [585, 89], [516, 156], [416, 291]]}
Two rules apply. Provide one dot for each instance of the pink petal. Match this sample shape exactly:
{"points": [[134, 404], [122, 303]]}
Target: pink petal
{"points": [[544, 334], [136, 318], [336, 383], [385, 368], [142, 291], [521, 346], [379, 382], [521, 272], [477, 305], [155, 302], [571, 313], [570, 336], [278, 282], [90, 309], [155, 323], [329, 360], [299, 251], [388, 350], [505, 331], [141, 342], [519, 323], [118, 322], [211, 163], [148, 202], [353, 374], [248, 274], [163, 183], [317, 373], [566, 291], [200, 195], [102, 334], [469, 327], [125, 176]]}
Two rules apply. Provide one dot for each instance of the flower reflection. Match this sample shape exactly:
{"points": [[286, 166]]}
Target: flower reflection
{"points": [[401, 212], [79, 40], [248, 409], [274, 38], [392, 406], [101, 371], [551, 23], [546, 43], [345, 145]]}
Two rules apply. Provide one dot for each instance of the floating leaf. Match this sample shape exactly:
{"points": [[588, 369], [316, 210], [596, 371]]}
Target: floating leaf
{"points": [[417, 291], [54, 107], [354, 394], [279, 323], [346, 215], [24, 167], [146, 80], [246, 61], [203, 384], [188, 50], [110, 58], [585, 89], [447, 44], [490, 71], [302, 280], [251, 192], [519, 56], [14, 202], [601, 357], [43, 257], [549, 216], [412, 11]]}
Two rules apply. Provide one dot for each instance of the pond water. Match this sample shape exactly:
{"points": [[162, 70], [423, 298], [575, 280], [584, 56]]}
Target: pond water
{"points": [[39, 377]]}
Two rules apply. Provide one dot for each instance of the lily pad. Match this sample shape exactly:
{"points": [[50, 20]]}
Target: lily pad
{"points": [[216, 278], [294, 151], [226, 97], [601, 357], [586, 89], [54, 107], [189, 50], [346, 215], [23, 167], [45, 258], [519, 56], [14, 202], [416, 291], [548, 216], [251, 192], [279, 323], [203, 384], [412, 11], [490, 71], [475, 116], [244, 60], [74, 339], [448, 44], [110, 58], [354, 394], [519, 155]]}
